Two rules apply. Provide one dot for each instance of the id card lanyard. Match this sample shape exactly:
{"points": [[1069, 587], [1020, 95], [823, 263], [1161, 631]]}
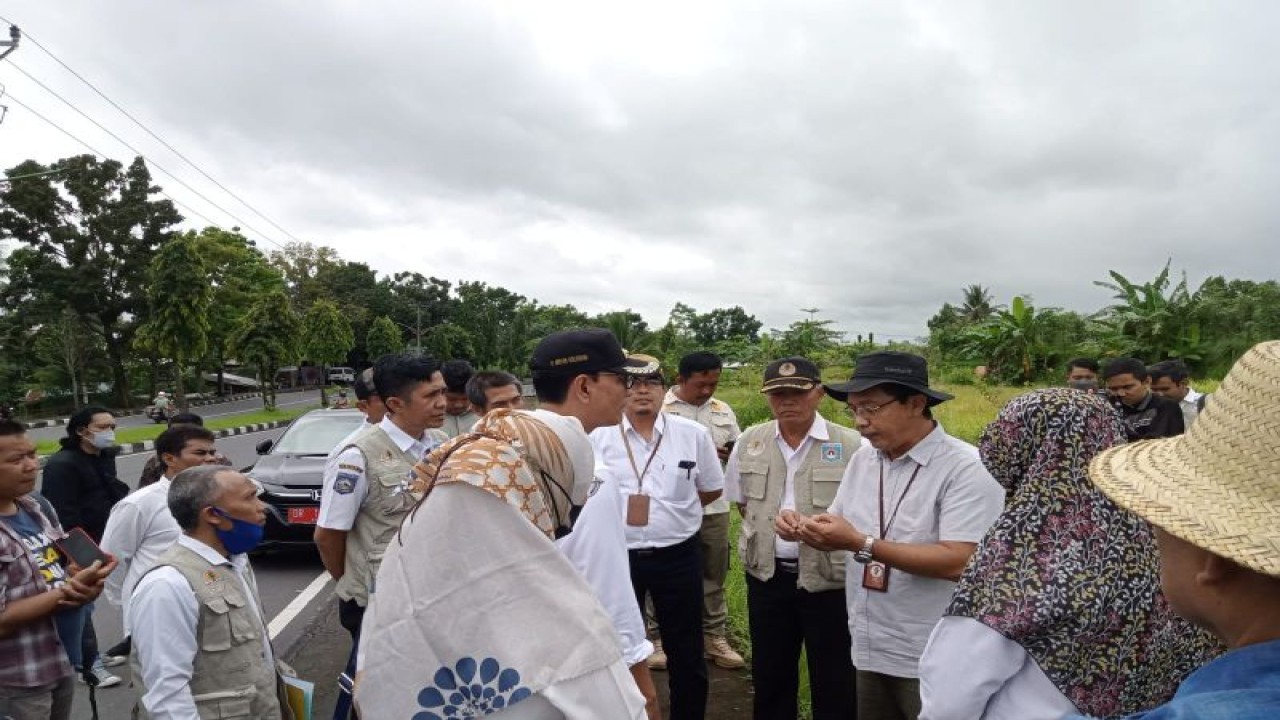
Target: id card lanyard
{"points": [[638, 504], [875, 574]]}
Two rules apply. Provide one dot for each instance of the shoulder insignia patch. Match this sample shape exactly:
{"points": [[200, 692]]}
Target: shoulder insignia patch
{"points": [[345, 483]]}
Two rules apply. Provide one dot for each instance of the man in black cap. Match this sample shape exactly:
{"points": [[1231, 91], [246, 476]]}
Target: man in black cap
{"points": [[584, 374], [912, 508], [780, 473]]}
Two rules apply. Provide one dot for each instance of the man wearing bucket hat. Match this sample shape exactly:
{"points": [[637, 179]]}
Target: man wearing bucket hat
{"points": [[912, 508], [1213, 497]]}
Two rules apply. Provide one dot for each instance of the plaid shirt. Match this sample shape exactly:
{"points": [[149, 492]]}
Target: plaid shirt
{"points": [[32, 656]]}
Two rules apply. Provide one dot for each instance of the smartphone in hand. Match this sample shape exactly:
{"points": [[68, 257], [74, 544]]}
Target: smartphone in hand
{"points": [[80, 549]]}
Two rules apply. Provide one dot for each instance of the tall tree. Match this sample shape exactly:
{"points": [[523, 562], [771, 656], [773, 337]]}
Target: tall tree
{"points": [[978, 304], [302, 264], [383, 338], [239, 274], [87, 231], [179, 295], [267, 340], [722, 324], [1156, 317], [327, 338]]}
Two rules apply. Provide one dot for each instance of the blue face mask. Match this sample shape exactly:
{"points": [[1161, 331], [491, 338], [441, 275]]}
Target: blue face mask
{"points": [[243, 535]]}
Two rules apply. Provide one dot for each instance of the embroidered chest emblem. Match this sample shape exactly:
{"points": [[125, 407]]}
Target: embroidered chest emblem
{"points": [[832, 452], [214, 581]]}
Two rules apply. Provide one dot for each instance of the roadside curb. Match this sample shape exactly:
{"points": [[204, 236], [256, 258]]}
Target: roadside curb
{"points": [[148, 445], [37, 424]]}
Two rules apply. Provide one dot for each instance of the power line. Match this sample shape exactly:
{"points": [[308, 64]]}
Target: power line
{"points": [[162, 141], [136, 151], [100, 154]]}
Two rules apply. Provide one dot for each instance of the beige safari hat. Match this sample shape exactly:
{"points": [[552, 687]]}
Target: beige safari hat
{"points": [[1218, 485]]}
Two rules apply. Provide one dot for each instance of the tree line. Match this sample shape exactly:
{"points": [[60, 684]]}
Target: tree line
{"points": [[100, 288], [1208, 327]]}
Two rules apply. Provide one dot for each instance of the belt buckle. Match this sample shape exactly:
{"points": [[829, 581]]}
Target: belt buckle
{"points": [[791, 566]]}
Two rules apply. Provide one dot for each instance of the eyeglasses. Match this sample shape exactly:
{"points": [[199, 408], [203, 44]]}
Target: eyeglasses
{"points": [[647, 381], [866, 411], [628, 380]]}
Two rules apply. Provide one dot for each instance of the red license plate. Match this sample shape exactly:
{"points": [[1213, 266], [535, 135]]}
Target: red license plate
{"points": [[303, 515]]}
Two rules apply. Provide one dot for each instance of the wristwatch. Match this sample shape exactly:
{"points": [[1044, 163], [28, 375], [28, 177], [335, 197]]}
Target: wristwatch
{"points": [[864, 555]]}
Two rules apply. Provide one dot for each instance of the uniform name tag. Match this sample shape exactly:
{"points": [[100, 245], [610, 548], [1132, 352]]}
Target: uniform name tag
{"points": [[875, 576]]}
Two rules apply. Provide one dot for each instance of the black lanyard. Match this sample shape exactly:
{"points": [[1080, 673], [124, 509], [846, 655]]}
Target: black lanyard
{"points": [[884, 528]]}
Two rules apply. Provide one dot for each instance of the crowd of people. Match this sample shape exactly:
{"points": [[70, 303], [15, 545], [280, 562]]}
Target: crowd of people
{"points": [[1108, 549]]}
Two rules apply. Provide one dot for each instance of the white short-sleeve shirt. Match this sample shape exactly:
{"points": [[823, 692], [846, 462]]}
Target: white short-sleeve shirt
{"points": [[953, 499], [681, 461]]}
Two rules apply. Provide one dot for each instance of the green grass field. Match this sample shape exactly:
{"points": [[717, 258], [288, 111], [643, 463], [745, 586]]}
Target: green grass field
{"points": [[150, 432], [964, 417]]}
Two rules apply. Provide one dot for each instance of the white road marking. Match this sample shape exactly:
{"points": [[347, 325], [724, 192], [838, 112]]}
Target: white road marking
{"points": [[300, 603]]}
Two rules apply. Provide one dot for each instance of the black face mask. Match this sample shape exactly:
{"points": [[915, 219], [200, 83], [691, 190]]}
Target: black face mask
{"points": [[562, 528]]}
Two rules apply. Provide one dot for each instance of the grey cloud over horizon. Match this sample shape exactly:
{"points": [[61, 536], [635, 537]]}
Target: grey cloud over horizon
{"points": [[869, 159]]}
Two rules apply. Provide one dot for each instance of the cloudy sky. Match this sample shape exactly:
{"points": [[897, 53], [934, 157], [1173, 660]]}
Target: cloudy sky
{"points": [[867, 158]]}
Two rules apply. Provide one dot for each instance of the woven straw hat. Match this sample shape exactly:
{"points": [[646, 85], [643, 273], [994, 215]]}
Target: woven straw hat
{"points": [[1217, 486]]}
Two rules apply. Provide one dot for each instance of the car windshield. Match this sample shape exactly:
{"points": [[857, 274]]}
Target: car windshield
{"points": [[317, 433]]}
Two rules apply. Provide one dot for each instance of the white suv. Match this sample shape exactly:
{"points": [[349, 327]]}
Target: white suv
{"points": [[342, 375]]}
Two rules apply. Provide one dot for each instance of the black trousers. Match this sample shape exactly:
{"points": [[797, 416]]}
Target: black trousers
{"points": [[672, 577], [350, 615], [783, 618]]}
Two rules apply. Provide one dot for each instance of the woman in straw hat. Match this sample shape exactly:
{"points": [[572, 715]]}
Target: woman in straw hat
{"points": [[476, 613], [1060, 610], [1213, 496]]}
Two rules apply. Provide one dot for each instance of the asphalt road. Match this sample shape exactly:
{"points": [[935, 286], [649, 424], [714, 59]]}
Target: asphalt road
{"points": [[207, 412], [283, 577]]}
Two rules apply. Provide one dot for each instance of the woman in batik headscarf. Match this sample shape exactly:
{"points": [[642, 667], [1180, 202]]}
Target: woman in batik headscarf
{"points": [[1060, 609], [475, 613]]}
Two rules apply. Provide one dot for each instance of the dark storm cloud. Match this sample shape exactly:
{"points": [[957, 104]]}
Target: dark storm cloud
{"points": [[869, 159]]}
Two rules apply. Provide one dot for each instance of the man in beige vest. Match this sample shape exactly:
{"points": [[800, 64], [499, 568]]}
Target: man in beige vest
{"points": [[201, 645], [778, 472], [365, 495], [693, 397]]}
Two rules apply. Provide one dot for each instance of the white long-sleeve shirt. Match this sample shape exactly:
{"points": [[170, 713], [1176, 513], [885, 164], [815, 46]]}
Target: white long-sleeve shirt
{"points": [[164, 615], [139, 530]]}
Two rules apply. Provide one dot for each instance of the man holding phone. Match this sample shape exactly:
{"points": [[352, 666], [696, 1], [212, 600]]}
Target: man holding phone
{"points": [[35, 677]]}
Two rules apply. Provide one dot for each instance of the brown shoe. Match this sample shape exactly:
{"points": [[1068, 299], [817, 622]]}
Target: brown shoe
{"points": [[658, 660], [721, 653]]}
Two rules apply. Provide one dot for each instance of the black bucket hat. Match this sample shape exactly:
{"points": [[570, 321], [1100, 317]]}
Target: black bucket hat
{"points": [[892, 368]]}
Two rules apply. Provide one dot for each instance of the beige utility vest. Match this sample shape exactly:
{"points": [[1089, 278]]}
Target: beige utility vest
{"points": [[387, 471], [762, 472], [230, 677]]}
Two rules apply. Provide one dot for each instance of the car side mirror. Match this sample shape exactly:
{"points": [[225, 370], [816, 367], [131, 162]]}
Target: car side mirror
{"points": [[264, 447]]}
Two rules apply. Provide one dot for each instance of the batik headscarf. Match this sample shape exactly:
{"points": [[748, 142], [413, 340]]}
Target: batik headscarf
{"points": [[1067, 574], [513, 456], [474, 608]]}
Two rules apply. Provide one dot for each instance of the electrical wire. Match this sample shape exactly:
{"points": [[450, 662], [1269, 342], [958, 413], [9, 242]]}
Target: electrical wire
{"points": [[104, 156], [27, 36]]}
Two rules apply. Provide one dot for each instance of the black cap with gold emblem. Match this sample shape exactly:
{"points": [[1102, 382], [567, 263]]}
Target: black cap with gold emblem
{"points": [[579, 352], [791, 373]]}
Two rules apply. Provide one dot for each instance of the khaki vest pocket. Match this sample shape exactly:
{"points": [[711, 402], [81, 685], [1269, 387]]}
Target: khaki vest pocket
{"points": [[826, 482], [216, 634], [754, 479], [225, 705]]}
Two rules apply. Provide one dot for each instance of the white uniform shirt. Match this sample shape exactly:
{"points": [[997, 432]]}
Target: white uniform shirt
{"points": [[164, 614], [719, 419], [1190, 406], [139, 530], [597, 547], [953, 498], [969, 671], [675, 511], [345, 484], [783, 549]]}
